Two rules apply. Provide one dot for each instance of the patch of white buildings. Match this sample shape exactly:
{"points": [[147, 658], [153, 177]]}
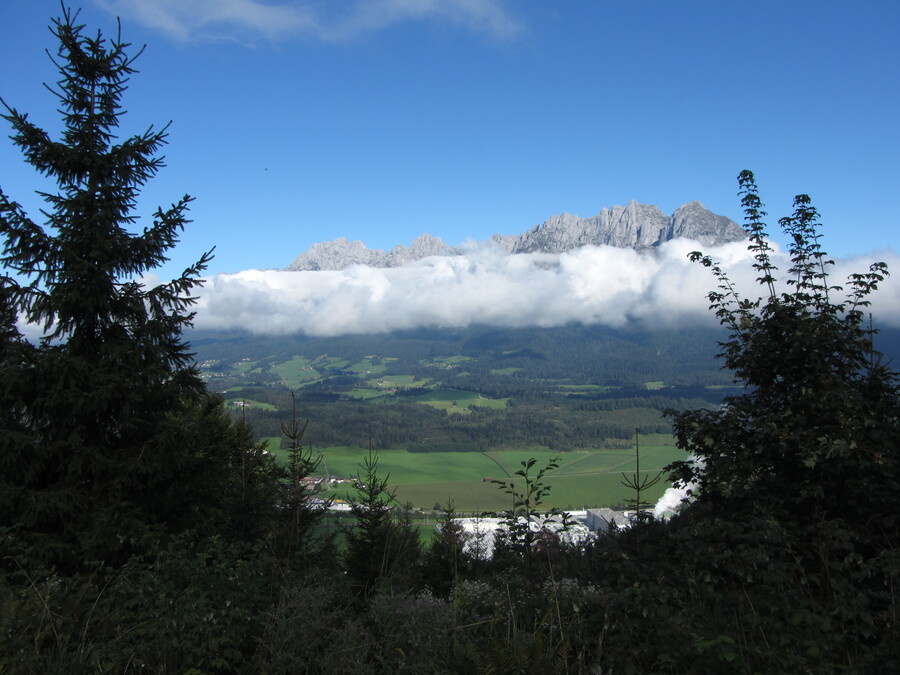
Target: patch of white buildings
{"points": [[572, 527]]}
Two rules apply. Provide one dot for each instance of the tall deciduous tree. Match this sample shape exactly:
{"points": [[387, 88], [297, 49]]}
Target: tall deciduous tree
{"points": [[787, 559], [814, 436], [109, 434]]}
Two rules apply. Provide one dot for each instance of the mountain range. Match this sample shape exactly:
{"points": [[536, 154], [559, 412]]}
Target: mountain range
{"points": [[637, 226]]}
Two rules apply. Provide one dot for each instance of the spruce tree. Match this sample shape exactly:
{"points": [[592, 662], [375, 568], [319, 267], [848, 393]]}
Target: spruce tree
{"points": [[380, 547], [109, 437]]}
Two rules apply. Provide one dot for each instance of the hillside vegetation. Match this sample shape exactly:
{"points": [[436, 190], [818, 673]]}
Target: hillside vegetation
{"points": [[469, 390]]}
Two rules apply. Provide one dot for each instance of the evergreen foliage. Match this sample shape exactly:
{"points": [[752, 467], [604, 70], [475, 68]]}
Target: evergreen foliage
{"points": [[639, 483], [446, 559], [302, 509], [109, 437], [382, 547]]}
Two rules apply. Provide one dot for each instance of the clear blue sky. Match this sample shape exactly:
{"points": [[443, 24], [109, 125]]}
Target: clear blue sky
{"points": [[297, 121]]}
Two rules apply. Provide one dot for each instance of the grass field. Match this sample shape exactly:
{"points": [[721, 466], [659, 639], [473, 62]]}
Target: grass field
{"points": [[244, 366], [584, 479], [250, 403], [585, 388], [329, 362], [367, 366], [366, 394], [457, 400], [446, 361], [397, 382], [296, 372]]}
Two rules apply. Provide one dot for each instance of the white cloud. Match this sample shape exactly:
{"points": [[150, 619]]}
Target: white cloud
{"points": [[592, 285], [484, 16], [245, 20]]}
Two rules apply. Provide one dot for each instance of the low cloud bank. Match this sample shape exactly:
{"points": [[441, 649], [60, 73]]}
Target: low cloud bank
{"points": [[592, 285]]}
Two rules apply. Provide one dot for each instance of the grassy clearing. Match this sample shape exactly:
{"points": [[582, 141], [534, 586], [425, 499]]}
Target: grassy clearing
{"points": [[584, 479], [457, 400], [589, 478], [412, 467], [244, 366], [473, 495], [274, 448], [585, 388], [510, 461], [605, 461], [654, 386], [250, 403], [367, 367], [397, 382], [578, 492], [329, 362], [296, 372], [446, 361], [505, 371], [366, 394], [567, 492], [597, 462]]}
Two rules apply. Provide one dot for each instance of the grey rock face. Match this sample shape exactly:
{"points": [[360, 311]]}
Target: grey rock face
{"points": [[336, 255], [340, 254], [636, 226], [695, 221], [423, 246]]}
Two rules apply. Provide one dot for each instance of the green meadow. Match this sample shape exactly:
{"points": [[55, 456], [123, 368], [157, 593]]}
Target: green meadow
{"points": [[250, 403], [398, 382], [366, 394], [327, 362], [244, 366], [457, 400], [447, 361], [584, 479], [296, 372], [584, 388], [367, 367]]}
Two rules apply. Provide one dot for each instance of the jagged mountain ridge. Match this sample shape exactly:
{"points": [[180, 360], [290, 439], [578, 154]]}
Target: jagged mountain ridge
{"points": [[636, 226]]}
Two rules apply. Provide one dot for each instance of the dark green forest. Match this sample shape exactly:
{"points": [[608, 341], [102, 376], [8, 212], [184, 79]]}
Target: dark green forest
{"points": [[142, 527], [564, 388]]}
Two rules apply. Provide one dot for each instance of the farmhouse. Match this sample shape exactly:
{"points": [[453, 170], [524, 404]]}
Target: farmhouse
{"points": [[312, 483]]}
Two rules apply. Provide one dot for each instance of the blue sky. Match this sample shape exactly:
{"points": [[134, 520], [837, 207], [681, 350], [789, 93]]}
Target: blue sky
{"points": [[297, 121]]}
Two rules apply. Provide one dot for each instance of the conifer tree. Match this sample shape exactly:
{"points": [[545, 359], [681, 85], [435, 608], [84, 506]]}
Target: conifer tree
{"points": [[109, 436], [380, 546]]}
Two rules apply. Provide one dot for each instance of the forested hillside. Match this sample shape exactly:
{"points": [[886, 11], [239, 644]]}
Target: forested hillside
{"points": [[480, 388], [472, 389]]}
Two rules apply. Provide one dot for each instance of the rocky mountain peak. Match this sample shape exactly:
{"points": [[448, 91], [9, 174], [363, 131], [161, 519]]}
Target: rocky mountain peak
{"points": [[636, 226]]}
